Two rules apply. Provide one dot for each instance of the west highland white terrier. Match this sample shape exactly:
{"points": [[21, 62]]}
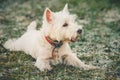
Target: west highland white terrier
{"points": [[50, 44]]}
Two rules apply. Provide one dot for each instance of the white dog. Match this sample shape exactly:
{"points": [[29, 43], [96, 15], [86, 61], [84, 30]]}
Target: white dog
{"points": [[50, 44]]}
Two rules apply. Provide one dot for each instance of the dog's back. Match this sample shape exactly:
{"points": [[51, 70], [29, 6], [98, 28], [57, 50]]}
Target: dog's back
{"points": [[23, 43]]}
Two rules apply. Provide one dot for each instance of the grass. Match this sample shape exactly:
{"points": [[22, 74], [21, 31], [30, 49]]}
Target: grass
{"points": [[99, 45]]}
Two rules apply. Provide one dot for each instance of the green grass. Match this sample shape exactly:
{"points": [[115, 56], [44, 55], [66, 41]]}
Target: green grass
{"points": [[99, 45]]}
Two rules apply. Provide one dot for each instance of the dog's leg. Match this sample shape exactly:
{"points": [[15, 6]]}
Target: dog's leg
{"points": [[43, 64], [71, 59]]}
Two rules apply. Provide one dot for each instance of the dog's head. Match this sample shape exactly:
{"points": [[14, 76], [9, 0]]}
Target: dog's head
{"points": [[61, 25]]}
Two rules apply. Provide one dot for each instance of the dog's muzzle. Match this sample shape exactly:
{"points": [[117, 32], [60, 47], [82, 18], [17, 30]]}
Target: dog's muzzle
{"points": [[79, 31]]}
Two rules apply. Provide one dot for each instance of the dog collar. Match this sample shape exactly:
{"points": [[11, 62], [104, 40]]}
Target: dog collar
{"points": [[55, 43]]}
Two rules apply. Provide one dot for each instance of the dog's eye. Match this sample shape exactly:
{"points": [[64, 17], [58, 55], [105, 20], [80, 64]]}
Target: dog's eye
{"points": [[65, 24]]}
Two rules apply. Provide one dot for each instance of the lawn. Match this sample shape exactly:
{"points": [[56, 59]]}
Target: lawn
{"points": [[99, 45]]}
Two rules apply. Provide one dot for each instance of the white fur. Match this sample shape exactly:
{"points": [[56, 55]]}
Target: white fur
{"points": [[33, 41]]}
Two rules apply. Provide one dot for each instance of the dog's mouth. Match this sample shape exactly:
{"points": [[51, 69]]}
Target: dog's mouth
{"points": [[74, 39]]}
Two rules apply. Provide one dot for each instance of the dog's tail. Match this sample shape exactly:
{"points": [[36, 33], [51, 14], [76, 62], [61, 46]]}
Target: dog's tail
{"points": [[32, 26], [12, 45]]}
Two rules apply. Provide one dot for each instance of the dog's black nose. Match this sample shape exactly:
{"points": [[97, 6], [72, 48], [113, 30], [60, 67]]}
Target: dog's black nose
{"points": [[79, 31]]}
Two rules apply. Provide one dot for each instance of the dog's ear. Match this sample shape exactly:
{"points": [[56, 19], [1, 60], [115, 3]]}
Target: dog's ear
{"points": [[48, 15], [65, 9]]}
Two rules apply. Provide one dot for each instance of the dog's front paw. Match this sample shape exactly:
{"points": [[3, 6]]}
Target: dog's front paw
{"points": [[46, 68], [88, 67], [43, 66]]}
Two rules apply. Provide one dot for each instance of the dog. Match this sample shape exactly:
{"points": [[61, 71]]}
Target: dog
{"points": [[50, 45]]}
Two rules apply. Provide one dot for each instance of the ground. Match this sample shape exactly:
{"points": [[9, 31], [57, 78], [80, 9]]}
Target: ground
{"points": [[99, 45]]}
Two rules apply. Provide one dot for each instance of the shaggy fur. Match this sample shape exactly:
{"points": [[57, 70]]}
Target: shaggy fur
{"points": [[60, 26]]}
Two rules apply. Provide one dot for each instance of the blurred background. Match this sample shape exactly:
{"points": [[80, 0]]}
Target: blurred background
{"points": [[99, 44]]}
